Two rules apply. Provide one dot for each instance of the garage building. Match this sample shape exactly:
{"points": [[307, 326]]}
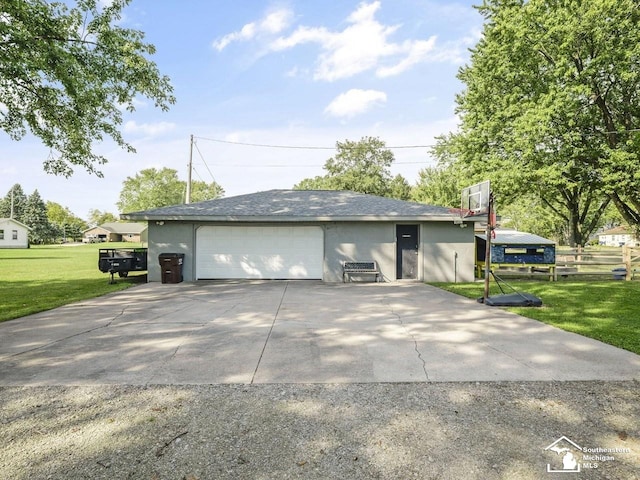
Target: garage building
{"points": [[308, 234]]}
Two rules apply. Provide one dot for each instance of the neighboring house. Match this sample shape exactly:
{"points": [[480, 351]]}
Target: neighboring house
{"points": [[618, 236], [116, 232], [308, 234], [13, 234]]}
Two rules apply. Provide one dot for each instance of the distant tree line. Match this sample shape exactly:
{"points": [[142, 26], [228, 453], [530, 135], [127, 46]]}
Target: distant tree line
{"points": [[50, 222]]}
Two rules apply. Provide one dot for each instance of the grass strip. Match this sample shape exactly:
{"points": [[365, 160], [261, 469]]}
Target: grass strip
{"points": [[48, 276], [608, 311]]}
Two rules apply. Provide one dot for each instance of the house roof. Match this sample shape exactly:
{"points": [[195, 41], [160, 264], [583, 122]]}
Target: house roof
{"points": [[514, 237], [121, 228], [13, 220], [617, 231], [298, 205]]}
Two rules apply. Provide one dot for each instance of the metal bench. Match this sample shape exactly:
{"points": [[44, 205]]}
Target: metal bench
{"points": [[358, 268]]}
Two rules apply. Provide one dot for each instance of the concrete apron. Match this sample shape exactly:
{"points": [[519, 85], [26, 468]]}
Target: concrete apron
{"points": [[294, 332]]}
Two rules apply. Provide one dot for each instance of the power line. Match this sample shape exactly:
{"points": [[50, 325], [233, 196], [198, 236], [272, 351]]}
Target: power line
{"points": [[395, 147], [281, 165], [198, 174], [300, 147], [203, 161]]}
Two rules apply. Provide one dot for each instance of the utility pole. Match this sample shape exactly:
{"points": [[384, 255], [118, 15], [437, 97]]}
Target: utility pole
{"points": [[188, 196]]}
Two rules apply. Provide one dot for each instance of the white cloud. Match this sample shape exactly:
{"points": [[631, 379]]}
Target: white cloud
{"points": [[149, 129], [355, 102], [416, 52], [363, 45], [272, 24]]}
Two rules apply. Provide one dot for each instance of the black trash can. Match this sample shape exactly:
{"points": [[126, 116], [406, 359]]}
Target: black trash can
{"points": [[619, 273], [171, 267]]}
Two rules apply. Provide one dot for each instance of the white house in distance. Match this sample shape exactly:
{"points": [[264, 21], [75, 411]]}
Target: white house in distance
{"points": [[13, 234], [116, 232], [618, 236]]}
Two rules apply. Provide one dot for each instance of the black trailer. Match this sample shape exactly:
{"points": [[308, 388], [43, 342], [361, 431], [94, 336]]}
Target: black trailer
{"points": [[122, 261]]}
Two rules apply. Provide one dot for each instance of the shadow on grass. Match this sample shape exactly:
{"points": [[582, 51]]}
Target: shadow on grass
{"points": [[602, 310]]}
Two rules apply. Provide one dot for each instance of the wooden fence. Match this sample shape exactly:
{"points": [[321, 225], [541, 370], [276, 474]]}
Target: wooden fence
{"points": [[619, 263], [616, 263]]}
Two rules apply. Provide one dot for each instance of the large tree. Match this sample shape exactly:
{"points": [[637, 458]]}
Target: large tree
{"points": [[441, 184], [551, 105], [12, 205], [35, 217], [201, 191], [68, 72], [64, 222], [361, 166], [98, 217], [152, 188]]}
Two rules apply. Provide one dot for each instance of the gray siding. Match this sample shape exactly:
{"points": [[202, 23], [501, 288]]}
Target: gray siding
{"points": [[446, 250], [359, 241], [171, 237]]}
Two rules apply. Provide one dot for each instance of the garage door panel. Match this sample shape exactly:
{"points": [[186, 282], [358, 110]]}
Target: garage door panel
{"points": [[259, 252]]}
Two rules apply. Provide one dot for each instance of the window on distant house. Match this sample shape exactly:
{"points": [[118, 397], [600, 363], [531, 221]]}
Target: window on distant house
{"points": [[14, 234], [1, 234]]}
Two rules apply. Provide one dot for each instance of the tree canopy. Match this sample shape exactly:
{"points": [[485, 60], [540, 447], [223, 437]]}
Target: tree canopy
{"points": [[98, 217], [68, 73], [48, 220], [361, 166], [551, 105], [65, 224], [153, 188], [12, 205]]}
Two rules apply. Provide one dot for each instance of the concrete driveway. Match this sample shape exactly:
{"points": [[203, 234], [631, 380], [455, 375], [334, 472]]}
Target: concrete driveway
{"points": [[294, 332]]}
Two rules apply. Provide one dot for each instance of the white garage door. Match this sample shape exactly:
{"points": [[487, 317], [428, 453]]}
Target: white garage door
{"points": [[259, 252]]}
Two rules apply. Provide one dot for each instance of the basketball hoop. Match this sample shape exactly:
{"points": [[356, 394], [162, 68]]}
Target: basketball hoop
{"points": [[477, 200]]}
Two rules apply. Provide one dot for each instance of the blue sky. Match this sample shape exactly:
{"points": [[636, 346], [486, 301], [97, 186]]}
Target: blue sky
{"points": [[292, 73]]}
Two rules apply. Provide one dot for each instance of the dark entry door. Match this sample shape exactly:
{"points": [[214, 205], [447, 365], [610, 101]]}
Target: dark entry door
{"points": [[407, 254]]}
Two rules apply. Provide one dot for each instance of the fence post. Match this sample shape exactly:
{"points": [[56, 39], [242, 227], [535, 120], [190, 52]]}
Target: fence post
{"points": [[626, 258]]}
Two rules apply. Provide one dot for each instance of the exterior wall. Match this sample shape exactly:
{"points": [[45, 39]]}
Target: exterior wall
{"points": [[359, 241], [9, 226], [171, 237], [131, 237], [448, 252], [96, 234], [101, 234], [616, 240]]}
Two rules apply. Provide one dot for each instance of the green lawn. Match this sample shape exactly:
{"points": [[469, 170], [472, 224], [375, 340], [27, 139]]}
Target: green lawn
{"points": [[48, 276], [608, 311]]}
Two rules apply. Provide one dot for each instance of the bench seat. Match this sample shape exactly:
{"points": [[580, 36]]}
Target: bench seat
{"points": [[356, 268]]}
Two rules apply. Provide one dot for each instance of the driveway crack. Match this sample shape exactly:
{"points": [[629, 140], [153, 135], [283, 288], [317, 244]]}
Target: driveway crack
{"points": [[413, 338], [269, 334]]}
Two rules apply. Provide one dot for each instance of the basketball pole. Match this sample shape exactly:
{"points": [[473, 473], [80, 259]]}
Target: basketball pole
{"points": [[487, 252]]}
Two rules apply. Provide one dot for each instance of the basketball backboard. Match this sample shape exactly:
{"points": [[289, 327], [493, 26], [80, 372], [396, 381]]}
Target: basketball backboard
{"points": [[475, 199]]}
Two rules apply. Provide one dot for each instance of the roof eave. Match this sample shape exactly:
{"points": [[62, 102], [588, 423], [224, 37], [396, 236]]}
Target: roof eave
{"points": [[295, 219]]}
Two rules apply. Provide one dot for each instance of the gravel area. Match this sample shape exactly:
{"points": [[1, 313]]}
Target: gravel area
{"points": [[313, 431]]}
